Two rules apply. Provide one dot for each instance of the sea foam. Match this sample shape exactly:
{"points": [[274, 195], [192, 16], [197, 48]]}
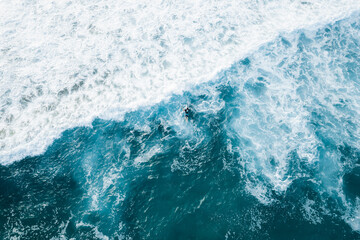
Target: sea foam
{"points": [[64, 63]]}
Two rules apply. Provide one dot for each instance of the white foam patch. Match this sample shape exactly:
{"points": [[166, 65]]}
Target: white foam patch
{"points": [[147, 154], [311, 214], [64, 63], [260, 192], [95, 229], [352, 214]]}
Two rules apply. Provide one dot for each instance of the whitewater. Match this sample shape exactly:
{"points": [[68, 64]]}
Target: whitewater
{"points": [[65, 63], [93, 139]]}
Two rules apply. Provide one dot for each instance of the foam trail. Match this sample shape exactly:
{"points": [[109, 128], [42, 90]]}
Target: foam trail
{"points": [[65, 63]]}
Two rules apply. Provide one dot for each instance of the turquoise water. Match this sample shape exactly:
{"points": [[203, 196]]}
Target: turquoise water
{"points": [[271, 151]]}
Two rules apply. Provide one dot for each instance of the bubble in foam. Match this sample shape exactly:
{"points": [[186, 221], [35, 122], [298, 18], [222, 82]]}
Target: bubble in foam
{"points": [[65, 63]]}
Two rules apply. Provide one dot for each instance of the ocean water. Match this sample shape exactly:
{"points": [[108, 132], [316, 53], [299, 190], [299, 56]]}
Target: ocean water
{"points": [[94, 143]]}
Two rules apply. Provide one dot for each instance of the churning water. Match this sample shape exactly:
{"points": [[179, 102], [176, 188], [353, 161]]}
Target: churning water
{"points": [[93, 140]]}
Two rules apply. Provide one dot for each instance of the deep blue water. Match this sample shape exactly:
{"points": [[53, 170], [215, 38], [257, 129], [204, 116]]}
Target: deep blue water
{"points": [[270, 152]]}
